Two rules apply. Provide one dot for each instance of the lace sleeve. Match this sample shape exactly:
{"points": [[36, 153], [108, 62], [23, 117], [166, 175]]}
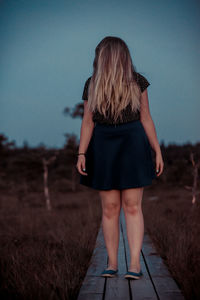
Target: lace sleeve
{"points": [[143, 82], [85, 90]]}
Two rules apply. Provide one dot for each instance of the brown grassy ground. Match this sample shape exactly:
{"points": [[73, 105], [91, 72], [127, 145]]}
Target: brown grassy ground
{"points": [[45, 255], [174, 227]]}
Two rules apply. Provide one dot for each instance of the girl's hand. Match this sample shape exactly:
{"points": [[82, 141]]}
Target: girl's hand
{"points": [[159, 163], [81, 164]]}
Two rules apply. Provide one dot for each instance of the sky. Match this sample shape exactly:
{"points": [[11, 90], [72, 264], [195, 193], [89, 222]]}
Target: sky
{"points": [[47, 50]]}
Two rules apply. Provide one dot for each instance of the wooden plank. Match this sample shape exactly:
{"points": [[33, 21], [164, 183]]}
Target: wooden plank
{"points": [[164, 283], [141, 289], [90, 296], [117, 287], [99, 257], [93, 284]]}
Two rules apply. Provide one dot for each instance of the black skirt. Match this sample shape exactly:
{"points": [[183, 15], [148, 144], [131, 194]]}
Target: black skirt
{"points": [[118, 157]]}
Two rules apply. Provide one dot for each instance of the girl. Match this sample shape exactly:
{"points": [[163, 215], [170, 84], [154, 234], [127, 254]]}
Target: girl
{"points": [[114, 156]]}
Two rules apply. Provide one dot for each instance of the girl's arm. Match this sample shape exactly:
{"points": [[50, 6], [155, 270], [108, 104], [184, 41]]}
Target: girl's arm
{"points": [[149, 127], [87, 127]]}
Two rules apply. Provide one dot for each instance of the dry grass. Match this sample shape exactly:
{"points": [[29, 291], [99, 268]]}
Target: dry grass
{"points": [[45, 255], [175, 230]]}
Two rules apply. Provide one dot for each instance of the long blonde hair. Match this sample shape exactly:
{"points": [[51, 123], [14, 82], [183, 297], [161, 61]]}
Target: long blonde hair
{"points": [[113, 83]]}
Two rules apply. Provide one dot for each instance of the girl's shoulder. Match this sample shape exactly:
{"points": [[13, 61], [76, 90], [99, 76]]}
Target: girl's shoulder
{"points": [[85, 89], [142, 81]]}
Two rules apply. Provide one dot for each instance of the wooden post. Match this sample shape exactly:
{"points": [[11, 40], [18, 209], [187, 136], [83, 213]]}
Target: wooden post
{"points": [[195, 172], [45, 176], [193, 188]]}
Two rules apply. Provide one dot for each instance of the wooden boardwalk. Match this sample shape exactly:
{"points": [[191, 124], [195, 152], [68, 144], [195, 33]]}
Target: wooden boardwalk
{"points": [[156, 282]]}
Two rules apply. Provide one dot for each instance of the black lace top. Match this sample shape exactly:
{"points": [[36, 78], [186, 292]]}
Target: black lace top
{"points": [[127, 114]]}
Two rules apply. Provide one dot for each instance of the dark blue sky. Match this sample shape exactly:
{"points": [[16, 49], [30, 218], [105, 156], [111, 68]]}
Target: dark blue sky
{"points": [[47, 51]]}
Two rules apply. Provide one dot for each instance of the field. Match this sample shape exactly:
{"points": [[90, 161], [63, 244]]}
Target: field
{"points": [[44, 254]]}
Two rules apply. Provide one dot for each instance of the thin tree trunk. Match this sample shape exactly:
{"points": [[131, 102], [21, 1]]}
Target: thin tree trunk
{"points": [[195, 173], [46, 189]]}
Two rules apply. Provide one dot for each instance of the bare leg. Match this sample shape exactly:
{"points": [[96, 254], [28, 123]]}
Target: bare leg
{"points": [[131, 203], [111, 206]]}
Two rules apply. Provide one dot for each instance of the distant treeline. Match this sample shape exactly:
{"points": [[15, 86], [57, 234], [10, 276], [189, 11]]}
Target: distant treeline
{"points": [[25, 163]]}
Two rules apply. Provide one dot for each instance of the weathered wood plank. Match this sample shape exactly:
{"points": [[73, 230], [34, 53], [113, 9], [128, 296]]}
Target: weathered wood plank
{"points": [[164, 283], [117, 288], [141, 289], [93, 284], [99, 257], [90, 296]]}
